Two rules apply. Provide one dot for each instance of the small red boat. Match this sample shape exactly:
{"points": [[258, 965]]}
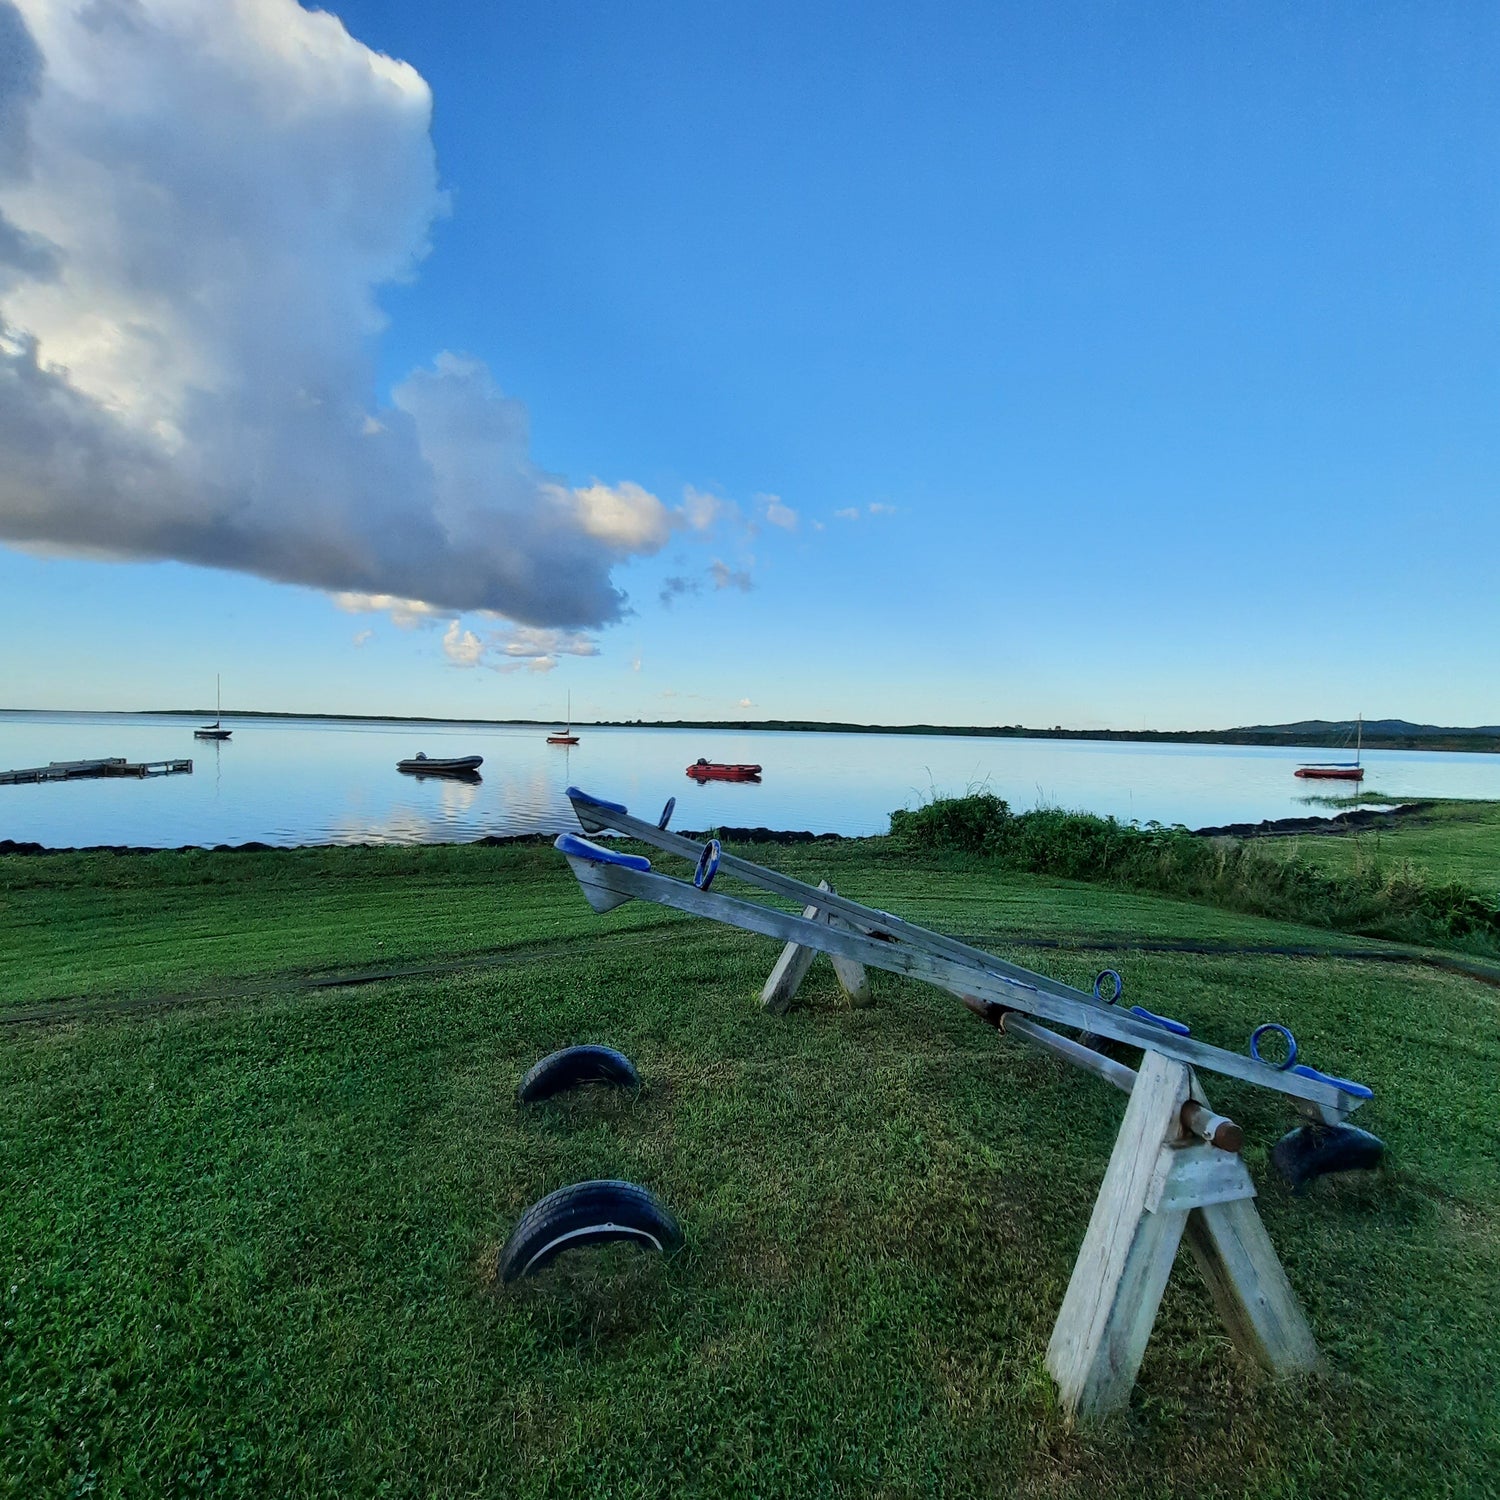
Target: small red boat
{"points": [[713, 770]]}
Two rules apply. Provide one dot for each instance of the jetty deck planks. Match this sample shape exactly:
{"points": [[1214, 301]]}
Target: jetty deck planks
{"points": [[83, 770]]}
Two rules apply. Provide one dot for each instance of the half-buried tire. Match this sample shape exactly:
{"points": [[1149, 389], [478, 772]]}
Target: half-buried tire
{"points": [[587, 1213], [574, 1066]]}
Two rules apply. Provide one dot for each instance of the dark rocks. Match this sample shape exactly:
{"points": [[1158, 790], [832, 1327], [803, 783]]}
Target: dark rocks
{"points": [[1344, 822]]}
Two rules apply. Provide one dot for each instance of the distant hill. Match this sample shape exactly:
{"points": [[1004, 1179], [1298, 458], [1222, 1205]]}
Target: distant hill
{"points": [[1401, 727], [1378, 734]]}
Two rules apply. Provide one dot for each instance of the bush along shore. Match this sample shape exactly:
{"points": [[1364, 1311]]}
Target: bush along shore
{"points": [[1374, 896]]}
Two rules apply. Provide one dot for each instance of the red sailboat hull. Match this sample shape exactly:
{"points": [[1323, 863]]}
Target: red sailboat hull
{"points": [[1331, 773]]}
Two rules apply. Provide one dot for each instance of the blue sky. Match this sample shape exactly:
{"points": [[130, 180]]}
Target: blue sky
{"points": [[1103, 364]]}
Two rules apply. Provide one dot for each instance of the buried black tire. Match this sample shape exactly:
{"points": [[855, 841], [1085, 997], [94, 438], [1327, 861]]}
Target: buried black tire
{"points": [[574, 1066], [1312, 1151], [587, 1213]]}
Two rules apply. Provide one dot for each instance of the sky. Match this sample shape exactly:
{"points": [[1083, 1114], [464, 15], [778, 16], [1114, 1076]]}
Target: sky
{"points": [[1100, 364]]}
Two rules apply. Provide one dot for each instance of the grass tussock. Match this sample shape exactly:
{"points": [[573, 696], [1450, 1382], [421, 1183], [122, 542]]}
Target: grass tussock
{"points": [[1371, 895]]}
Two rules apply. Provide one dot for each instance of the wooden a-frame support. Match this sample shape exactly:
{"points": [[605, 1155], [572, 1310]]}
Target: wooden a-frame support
{"points": [[796, 959], [1160, 1185]]}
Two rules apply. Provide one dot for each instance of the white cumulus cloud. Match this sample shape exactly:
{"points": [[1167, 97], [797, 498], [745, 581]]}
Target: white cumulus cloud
{"points": [[516, 648], [462, 647], [777, 513], [702, 511], [407, 613], [199, 203], [535, 644]]}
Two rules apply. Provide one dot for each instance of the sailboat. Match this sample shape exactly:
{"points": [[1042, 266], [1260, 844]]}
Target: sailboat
{"points": [[1338, 770], [564, 736], [216, 730]]}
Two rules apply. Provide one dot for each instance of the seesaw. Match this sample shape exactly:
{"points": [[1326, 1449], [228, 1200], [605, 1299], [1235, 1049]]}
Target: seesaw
{"points": [[1175, 1170]]}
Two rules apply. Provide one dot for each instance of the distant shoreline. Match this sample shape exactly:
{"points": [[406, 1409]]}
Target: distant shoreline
{"points": [[1313, 735]]}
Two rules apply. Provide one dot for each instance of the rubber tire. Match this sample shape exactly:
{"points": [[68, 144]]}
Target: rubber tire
{"points": [[587, 1213], [574, 1066], [1312, 1151]]}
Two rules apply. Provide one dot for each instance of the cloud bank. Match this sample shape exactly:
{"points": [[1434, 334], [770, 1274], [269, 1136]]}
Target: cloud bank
{"points": [[199, 201], [516, 648]]}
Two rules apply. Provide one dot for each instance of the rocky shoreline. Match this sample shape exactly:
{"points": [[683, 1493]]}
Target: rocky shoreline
{"points": [[1355, 819], [1344, 822]]}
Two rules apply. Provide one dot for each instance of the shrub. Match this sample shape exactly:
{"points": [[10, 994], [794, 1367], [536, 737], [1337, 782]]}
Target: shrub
{"points": [[1379, 900], [973, 823]]}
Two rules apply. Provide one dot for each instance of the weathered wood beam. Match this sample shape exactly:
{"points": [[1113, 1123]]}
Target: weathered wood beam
{"points": [[612, 883], [595, 816], [1121, 1272], [791, 968], [1249, 1287]]}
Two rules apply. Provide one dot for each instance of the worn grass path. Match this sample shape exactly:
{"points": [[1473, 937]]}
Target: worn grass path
{"points": [[247, 1244]]}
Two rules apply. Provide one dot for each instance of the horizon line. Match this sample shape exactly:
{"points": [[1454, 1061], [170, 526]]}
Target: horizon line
{"points": [[1298, 731]]}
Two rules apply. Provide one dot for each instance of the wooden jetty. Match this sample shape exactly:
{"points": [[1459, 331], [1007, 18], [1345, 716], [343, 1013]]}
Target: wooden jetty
{"points": [[110, 765]]}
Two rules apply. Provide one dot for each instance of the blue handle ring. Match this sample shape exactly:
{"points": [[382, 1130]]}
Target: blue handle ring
{"points": [[1099, 979], [708, 865], [1291, 1045]]}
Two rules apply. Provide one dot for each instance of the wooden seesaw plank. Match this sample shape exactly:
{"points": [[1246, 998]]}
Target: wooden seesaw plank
{"points": [[594, 815], [607, 882]]}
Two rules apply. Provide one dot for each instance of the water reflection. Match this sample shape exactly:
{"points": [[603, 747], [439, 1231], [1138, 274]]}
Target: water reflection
{"points": [[307, 781]]}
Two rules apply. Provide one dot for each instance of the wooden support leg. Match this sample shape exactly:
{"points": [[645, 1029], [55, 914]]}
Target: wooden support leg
{"points": [[796, 959], [791, 969], [1249, 1287], [852, 978], [1159, 1186], [1127, 1255]]}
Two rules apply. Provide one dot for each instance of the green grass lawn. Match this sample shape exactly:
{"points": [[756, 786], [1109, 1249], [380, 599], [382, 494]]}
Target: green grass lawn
{"points": [[1452, 840], [248, 1238]]}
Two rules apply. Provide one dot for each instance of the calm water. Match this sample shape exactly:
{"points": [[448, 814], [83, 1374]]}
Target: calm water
{"points": [[310, 782]]}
